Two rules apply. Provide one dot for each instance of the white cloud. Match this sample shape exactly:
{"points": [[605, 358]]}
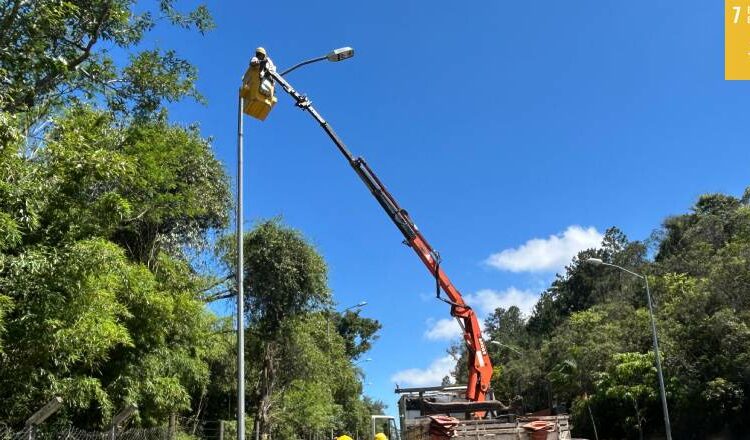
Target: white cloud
{"points": [[430, 376], [487, 300], [446, 329], [484, 302], [547, 255], [427, 297]]}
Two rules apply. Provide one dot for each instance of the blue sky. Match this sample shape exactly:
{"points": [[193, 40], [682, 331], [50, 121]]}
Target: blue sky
{"points": [[513, 132]]}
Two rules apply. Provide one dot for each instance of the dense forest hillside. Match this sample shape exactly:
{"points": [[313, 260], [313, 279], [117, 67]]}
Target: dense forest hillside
{"points": [[587, 346]]}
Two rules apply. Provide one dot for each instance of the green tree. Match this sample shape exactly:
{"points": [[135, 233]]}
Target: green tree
{"points": [[584, 346], [101, 331], [305, 382], [147, 185], [629, 385], [588, 342], [707, 347], [358, 332], [55, 52], [507, 327], [99, 210], [583, 285], [285, 279], [319, 389]]}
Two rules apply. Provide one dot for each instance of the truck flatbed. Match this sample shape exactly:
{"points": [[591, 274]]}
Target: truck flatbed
{"points": [[419, 429]]}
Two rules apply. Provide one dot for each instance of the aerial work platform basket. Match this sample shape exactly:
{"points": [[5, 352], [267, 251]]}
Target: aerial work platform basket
{"points": [[257, 89]]}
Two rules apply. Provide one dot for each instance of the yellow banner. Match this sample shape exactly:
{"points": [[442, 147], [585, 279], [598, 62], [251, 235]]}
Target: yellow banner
{"points": [[736, 39]]}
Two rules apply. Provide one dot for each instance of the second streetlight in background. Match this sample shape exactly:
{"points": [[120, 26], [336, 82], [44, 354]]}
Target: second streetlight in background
{"points": [[359, 304], [355, 306], [500, 344], [657, 355]]}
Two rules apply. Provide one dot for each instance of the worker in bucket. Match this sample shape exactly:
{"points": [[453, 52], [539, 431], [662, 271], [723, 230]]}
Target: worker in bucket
{"points": [[257, 90], [381, 436], [261, 61]]}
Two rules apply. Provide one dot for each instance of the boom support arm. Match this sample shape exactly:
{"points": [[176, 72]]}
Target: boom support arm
{"points": [[480, 366]]}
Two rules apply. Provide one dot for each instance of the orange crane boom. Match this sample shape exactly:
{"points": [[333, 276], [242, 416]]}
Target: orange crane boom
{"points": [[480, 366]]}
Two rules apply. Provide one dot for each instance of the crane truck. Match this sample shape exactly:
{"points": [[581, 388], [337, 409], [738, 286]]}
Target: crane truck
{"points": [[257, 92], [479, 363]]}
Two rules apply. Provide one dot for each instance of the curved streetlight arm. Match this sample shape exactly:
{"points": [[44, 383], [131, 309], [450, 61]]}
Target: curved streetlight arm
{"points": [[624, 270], [500, 344], [355, 306], [303, 63], [333, 56]]}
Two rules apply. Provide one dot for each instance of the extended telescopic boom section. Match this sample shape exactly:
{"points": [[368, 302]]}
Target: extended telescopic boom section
{"points": [[480, 366]]}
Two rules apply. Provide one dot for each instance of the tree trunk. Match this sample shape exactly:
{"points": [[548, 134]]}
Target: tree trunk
{"points": [[172, 428], [265, 390], [198, 412], [638, 418]]}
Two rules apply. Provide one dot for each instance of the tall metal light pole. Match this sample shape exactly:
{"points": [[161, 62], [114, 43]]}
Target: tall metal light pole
{"points": [[240, 286], [334, 56], [667, 425]]}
